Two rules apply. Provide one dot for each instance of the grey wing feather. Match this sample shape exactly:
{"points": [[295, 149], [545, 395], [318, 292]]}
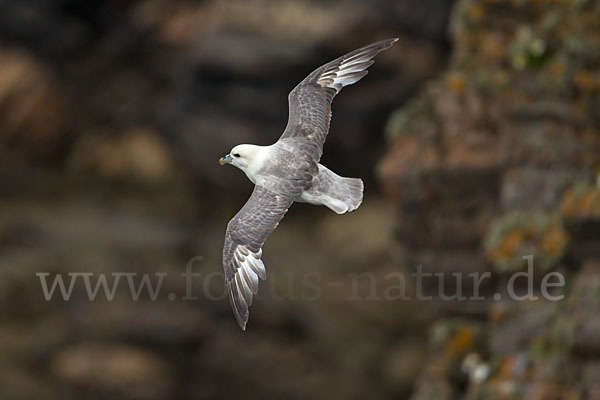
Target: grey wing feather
{"points": [[244, 238], [310, 101]]}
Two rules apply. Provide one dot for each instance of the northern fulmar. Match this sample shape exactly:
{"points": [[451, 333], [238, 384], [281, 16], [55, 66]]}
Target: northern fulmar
{"points": [[289, 171]]}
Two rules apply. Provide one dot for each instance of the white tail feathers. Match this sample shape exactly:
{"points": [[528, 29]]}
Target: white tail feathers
{"points": [[340, 194]]}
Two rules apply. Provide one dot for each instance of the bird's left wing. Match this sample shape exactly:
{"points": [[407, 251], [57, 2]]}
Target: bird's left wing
{"points": [[244, 238], [310, 101]]}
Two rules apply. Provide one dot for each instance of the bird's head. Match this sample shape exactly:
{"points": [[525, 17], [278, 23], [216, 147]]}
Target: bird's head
{"points": [[240, 156]]}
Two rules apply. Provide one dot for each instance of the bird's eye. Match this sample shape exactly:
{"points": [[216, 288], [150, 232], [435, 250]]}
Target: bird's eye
{"points": [[236, 155]]}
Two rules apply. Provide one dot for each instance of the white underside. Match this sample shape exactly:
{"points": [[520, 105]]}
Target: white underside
{"points": [[335, 194], [334, 204]]}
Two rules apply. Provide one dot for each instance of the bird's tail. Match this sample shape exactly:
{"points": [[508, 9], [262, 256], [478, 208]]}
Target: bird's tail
{"points": [[339, 194], [354, 190]]}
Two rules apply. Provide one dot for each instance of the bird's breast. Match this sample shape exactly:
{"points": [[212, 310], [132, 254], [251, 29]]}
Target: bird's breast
{"points": [[250, 176]]}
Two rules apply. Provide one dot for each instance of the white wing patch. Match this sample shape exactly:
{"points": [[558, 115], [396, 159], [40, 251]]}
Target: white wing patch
{"points": [[348, 72], [250, 268], [245, 281]]}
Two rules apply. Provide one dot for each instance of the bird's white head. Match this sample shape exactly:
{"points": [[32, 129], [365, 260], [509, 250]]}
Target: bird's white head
{"points": [[241, 156]]}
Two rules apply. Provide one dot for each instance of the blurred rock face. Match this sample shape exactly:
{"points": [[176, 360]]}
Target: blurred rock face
{"points": [[505, 130], [31, 104], [204, 76], [495, 160]]}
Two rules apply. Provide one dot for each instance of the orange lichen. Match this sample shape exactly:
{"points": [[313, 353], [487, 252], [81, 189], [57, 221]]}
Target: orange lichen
{"points": [[456, 83], [556, 69], [568, 202], [581, 201], [587, 202], [475, 12], [585, 81], [553, 241], [492, 48], [509, 245], [497, 313], [516, 235], [506, 368], [460, 342]]}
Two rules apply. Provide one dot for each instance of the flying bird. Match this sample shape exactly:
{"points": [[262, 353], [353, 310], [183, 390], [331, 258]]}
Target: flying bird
{"points": [[289, 171]]}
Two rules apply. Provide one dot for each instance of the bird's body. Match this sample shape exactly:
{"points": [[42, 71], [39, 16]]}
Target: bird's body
{"points": [[326, 188], [289, 171]]}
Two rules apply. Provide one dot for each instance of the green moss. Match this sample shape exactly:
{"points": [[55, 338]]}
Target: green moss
{"points": [[399, 120], [415, 118]]}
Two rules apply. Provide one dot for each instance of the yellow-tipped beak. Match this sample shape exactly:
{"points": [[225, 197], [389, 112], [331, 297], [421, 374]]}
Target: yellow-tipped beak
{"points": [[225, 160]]}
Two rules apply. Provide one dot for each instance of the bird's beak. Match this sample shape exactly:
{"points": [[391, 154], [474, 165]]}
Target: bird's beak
{"points": [[225, 160]]}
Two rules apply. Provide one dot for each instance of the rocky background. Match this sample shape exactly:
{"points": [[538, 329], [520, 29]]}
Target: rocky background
{"points": [[495, 160], [481, 126]]}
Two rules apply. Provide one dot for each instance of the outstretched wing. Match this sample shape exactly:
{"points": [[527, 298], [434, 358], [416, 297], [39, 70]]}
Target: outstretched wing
{"points": [[246, 233], [310, 101]]}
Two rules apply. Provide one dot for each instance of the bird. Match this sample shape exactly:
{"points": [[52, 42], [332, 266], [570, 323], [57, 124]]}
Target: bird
{"points": [[289, 171]]}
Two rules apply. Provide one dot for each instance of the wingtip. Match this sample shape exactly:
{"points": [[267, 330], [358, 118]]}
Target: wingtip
{"points": [[240, 308], [390, 42], [386, 43], [242, 322]]}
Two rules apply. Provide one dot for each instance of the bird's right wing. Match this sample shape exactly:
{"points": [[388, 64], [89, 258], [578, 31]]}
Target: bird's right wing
{"points": [[310, 101], [244, 238]]}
